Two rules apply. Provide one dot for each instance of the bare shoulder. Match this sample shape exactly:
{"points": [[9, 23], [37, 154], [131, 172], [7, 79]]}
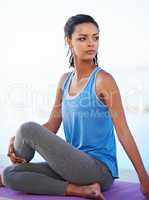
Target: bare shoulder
{"points": [[58, 96], [104, 76], [63, 77], [105, 80]]}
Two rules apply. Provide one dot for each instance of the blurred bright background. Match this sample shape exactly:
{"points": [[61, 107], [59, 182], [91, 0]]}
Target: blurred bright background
{"points": [[33, 57]]}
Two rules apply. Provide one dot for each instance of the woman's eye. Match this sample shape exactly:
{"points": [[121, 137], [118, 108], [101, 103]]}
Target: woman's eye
{"points": [[82, 39], [97, 38]]}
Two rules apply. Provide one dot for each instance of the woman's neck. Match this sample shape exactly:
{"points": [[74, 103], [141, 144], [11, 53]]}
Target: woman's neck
{"points": [[83, 69]]}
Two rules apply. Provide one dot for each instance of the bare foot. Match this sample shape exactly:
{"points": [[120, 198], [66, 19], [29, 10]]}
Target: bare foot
{"points": [[1, 184], [92, 191]]}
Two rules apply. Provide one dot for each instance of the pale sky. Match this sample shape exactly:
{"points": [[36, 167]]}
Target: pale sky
{"points": [[31, 35]]}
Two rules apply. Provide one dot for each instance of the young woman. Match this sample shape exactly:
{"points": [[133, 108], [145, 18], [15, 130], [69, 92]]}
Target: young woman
{"points": [[89, 104]]}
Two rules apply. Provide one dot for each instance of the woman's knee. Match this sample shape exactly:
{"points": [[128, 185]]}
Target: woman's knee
{"points": [[8, 176], [107, 183], [27, 128]]}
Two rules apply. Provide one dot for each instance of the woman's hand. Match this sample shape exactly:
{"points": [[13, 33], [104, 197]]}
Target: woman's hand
{"points": [[145, 186], [11, 154]]}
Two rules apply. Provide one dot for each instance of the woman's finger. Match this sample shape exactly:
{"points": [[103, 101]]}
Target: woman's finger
{"points": [[13, 157], [10, 149], [17, 158], [14, 160], [10, 152]]}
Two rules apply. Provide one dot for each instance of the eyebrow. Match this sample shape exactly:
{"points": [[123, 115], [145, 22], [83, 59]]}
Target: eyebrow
{"points": [[81, 34]]}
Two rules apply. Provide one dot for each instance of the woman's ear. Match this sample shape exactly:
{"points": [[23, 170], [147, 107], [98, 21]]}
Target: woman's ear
{"points": [[69, 42]]}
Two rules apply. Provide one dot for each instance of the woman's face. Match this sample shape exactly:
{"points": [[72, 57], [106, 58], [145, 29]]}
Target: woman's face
{"points": [[84, 42]]}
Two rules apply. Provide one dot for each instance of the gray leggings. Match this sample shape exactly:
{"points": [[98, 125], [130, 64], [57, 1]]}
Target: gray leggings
{"points": [[63, 164]]}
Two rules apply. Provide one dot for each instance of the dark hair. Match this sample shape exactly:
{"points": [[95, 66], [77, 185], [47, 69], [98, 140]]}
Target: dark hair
{"points": [[70, 27]]}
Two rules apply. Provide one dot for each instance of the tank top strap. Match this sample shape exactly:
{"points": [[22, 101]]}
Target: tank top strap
{"points": [[91, 80], [66, 83]]}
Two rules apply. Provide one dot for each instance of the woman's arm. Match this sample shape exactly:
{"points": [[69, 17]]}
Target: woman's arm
{"points": [[55, 118], [108, 87]]}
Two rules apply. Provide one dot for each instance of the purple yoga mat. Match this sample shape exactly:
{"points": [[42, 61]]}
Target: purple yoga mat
{"points": [[119, 191]]}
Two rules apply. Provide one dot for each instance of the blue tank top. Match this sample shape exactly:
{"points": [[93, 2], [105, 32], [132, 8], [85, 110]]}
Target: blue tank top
{"points": [[88, 124]]}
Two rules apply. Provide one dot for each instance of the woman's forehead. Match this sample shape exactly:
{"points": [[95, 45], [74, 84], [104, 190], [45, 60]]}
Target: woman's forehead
{"points": [[86, 29]]}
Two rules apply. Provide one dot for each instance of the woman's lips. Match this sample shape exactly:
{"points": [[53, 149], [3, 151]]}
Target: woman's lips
{"points": [[90, 52]]}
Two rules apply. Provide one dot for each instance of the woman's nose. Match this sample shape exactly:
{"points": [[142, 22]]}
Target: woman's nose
{"points": [[90, 42]]}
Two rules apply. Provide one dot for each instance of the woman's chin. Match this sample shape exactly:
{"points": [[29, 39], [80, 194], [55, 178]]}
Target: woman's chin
{"points": [[88, 59]]}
